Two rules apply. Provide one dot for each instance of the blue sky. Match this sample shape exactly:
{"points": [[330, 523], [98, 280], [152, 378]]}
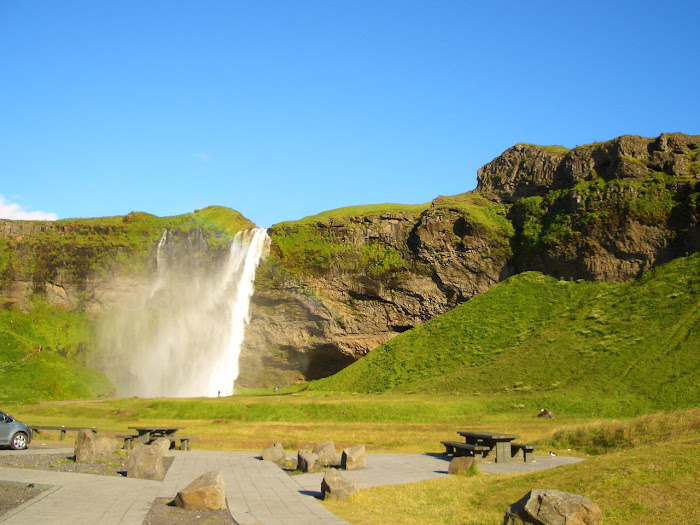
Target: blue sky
{"points": [[283, 109]]}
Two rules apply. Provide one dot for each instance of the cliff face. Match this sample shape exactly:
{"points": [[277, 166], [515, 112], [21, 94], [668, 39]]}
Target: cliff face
{"points": [[337, 285], [93, 264]]}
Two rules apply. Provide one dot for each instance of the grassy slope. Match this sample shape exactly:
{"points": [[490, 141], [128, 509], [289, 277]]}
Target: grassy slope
{"points": [[41, 354], [578, 346]]}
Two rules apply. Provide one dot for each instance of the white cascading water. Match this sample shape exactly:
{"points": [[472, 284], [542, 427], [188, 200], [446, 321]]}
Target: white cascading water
{"points": [[182, 337]]}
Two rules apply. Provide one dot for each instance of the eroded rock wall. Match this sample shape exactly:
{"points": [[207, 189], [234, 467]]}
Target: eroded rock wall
{"points": [[606, 211]]}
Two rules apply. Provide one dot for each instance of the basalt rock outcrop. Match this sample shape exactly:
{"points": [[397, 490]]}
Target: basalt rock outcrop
{"points": [[337, 285]]}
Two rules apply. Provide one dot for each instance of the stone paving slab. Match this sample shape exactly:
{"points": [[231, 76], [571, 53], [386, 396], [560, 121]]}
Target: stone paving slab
{"points": [[257, 491], [397, 469], [81, 499]]}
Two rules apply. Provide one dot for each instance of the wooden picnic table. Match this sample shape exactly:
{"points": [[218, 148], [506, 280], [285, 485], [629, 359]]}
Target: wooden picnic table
{"points": [[500, 443], [148, 434]]}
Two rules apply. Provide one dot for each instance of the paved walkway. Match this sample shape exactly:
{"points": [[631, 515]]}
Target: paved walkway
{"points": [[257, 491]]}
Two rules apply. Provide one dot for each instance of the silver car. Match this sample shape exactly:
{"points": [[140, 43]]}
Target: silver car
{"points": [[13, 433]]}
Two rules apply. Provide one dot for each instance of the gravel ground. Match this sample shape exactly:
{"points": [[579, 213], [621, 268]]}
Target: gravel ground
{"points": [[14, 494], [114, 466], [164, 513]]}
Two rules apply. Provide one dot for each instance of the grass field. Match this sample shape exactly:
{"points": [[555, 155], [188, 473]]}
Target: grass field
{"points": [[638, 470]]}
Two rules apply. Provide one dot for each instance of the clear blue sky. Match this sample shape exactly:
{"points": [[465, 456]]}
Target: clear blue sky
{"points": [[282, 109]]}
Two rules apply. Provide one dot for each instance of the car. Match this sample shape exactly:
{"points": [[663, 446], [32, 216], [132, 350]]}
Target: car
{"points": [[13, 433]]}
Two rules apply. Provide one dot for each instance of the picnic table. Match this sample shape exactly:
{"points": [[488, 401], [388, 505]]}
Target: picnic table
{"points": [[148, 434], [496, 442]]}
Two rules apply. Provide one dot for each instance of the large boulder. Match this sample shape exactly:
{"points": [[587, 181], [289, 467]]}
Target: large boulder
{"points": [[274, 453], [163, 444], [335, 486], [353, 458], [306, 461], [145, 462], [89, 448], [461, 465], [326, 453], [207, 492], [552, 507]]}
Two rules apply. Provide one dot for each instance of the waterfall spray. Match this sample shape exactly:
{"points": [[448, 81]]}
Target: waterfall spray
{"points": [[183, 336]]}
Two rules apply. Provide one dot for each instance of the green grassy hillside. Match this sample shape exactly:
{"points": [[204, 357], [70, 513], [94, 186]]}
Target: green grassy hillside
{"points": [[579, 346], [43, 353], [79, 248]]}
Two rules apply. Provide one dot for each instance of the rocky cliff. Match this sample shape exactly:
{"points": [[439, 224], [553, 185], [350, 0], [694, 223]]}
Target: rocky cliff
{"points": [[92, 264], [339, 284]]}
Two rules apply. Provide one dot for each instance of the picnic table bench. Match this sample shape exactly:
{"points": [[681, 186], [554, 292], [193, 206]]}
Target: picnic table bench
{"points": [[145, 435], [483, 444], [36, 428], [516, 448], [457, 448]]}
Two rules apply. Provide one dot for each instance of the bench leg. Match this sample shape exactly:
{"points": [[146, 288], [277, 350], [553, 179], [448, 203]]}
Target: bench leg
{"points": [[184, 444], [63, 434]]}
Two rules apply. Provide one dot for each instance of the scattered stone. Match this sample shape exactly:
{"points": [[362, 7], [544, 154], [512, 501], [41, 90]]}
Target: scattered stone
{"points": [[145, 462], [163, 444], [548, 414], [306, 460], [207, 492], [552, 507], [89, 448], [326, 453], [335, 487], [274, 453], [461, 465], [353, 458]]}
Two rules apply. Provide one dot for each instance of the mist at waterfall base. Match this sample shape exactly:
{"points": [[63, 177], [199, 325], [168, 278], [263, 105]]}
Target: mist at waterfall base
{"points": [[181, 334]]}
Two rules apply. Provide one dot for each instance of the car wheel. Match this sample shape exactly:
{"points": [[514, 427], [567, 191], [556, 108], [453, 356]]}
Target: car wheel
{"points": [[19, 441]]}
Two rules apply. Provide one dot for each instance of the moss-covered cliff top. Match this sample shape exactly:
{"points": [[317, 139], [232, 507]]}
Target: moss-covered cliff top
{"points": [[78, 248]]}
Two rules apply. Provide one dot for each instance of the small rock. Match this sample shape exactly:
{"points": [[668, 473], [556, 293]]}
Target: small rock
{"points": [[306, 460], [274, 453], [145, 462], [207, 492], [325, 452], [552, 507], [353, 457], [335, 487], [461, 465]]}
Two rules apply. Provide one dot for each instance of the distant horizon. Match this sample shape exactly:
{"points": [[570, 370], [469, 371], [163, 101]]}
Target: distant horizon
{"points": [[281, 111]]}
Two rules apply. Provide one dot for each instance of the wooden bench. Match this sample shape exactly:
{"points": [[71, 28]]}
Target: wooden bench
{"points": [[184, 440], [128, 440], [457, 448], [516, 448], [36, 428]]}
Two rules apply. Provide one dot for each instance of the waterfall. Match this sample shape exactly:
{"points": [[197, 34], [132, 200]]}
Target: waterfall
{"points": [[182, 336]]}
